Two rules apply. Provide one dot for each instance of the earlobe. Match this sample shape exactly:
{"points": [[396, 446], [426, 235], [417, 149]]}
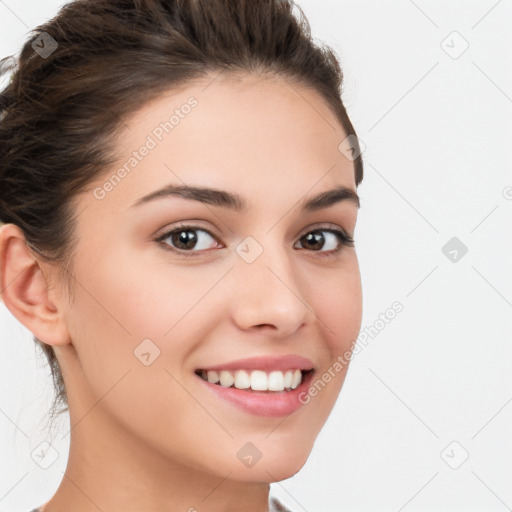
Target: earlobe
{"points": [[25, 290]]}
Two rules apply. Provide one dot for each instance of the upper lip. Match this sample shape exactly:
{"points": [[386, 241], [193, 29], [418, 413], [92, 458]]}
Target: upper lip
{"points": [[267, 363]]}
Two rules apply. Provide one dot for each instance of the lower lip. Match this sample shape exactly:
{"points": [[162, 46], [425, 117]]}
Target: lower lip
{"points": [[263, 403]]}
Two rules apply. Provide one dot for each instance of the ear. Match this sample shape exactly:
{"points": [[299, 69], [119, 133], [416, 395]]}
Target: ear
{"points": [[25, 290]]}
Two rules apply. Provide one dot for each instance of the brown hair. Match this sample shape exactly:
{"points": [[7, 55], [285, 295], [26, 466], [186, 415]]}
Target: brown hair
{"points": [[84, 71]]}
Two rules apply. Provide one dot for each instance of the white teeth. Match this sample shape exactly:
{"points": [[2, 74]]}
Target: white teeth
{"points": [[226, 379], [276, 381], [288, 377], [297, 377], [242, 380], [213, 377], [257, 380]]}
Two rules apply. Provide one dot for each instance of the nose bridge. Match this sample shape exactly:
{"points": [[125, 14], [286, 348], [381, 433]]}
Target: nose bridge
{"points": [[268, 286]]}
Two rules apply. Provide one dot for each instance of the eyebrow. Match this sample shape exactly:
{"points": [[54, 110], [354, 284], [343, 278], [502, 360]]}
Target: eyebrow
{"points": [[224, 199]]}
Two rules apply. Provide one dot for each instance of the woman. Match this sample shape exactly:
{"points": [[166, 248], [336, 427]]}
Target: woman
{"points": [[178, 192]]}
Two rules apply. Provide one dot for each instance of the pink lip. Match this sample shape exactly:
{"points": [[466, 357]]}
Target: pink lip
{"points": [[265, 363], [263, 403]]}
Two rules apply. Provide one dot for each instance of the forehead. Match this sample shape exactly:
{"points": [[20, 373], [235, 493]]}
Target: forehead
{"points": [[248, 133]]}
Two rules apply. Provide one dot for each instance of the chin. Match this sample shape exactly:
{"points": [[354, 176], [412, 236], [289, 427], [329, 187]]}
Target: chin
{"points": [[275, 468]]}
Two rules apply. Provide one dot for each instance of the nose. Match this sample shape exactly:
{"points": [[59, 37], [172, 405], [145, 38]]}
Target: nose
{"points": [[269, 294]]}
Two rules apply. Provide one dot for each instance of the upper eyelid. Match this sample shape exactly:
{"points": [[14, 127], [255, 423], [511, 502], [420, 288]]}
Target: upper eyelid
{"points": [[183, 226], [192, 226]]}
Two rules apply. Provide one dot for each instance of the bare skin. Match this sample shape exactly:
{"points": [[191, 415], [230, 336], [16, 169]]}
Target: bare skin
{"points": [[152, 437]]}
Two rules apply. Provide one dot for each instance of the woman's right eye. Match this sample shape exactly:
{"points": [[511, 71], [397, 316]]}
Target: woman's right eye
{"points": [[185, 238]]}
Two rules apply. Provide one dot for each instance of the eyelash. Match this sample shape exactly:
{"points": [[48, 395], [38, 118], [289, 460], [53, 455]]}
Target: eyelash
{"points": [[344, 240]]}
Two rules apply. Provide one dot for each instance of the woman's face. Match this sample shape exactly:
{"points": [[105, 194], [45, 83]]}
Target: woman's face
{"points": [[258, 280]]}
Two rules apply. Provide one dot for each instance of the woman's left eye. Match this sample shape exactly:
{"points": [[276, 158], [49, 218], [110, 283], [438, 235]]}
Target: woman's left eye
{"points": [[336, 239], [185, 238]]}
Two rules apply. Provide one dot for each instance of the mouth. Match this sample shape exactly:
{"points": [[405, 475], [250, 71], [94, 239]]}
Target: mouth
{"points": [[256, 380], [271, 385], [270, 393]]}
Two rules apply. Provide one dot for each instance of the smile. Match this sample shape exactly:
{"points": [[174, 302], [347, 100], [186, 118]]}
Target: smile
{"points": [[255, 380], [269, 393]]}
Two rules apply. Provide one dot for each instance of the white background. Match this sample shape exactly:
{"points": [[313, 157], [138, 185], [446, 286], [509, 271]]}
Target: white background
{"points": [[437, 131]]}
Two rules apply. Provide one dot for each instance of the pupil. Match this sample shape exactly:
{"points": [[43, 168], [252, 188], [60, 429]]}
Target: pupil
{"points": [[185, 237], [316, 238]]}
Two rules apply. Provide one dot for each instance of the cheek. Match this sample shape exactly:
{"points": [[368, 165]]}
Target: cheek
{"points": [[123, 303], [338, 306], [126, 302], [136, 298]]}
